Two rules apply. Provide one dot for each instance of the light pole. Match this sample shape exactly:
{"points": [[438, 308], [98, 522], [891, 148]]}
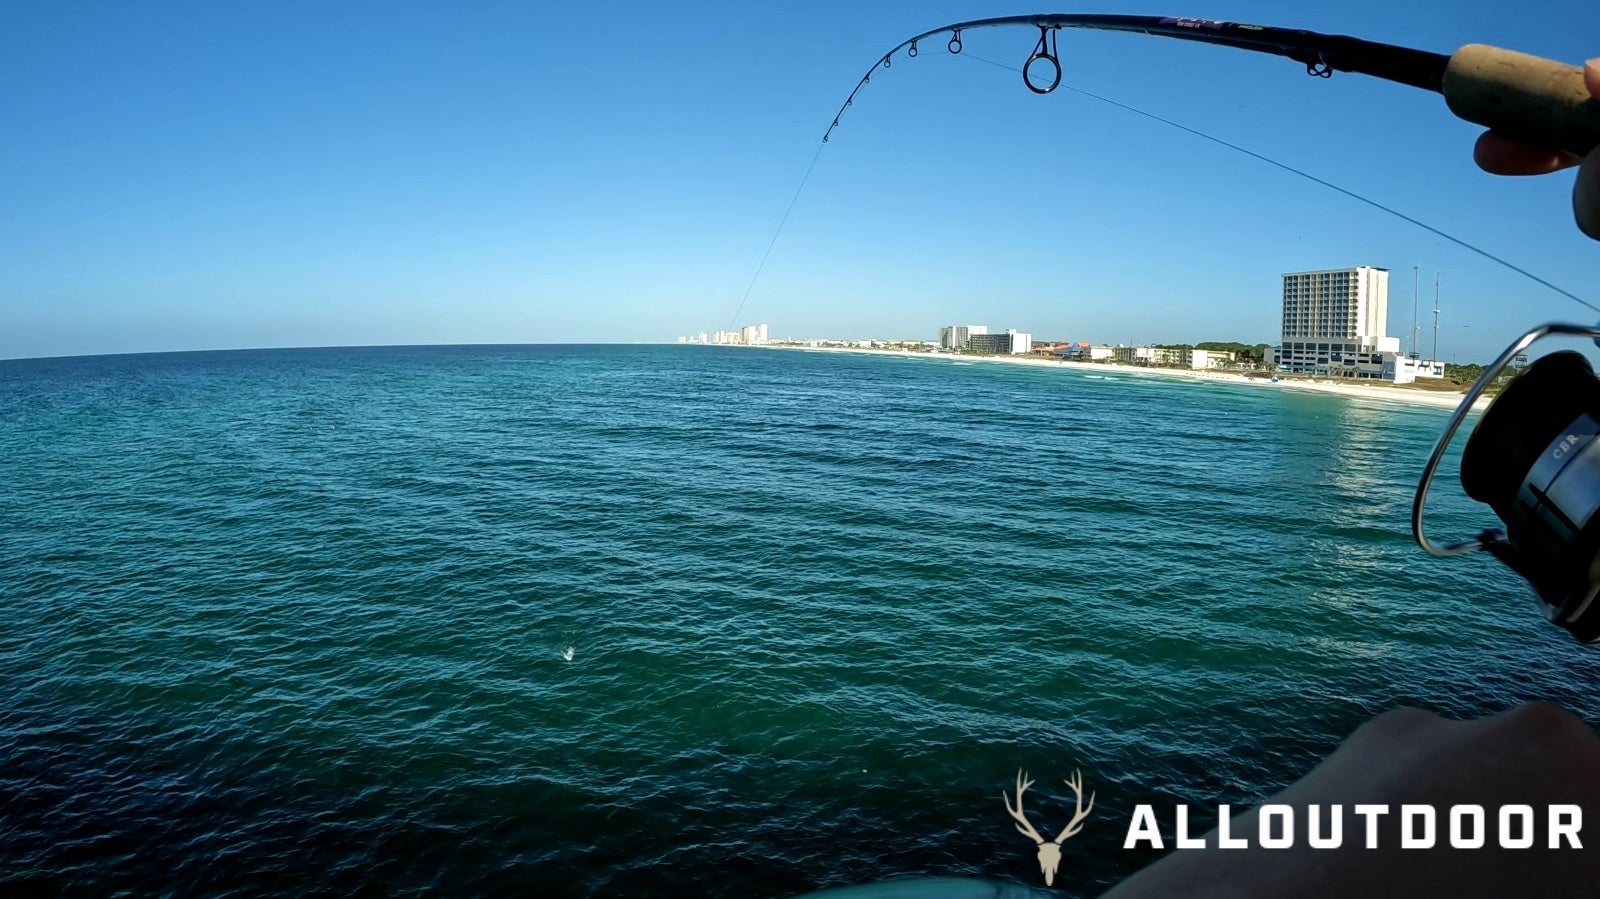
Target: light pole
{"points": [[1416, 292]]}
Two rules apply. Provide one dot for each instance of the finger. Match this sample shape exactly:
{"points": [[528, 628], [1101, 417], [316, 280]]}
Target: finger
{"points": [[1500, 155], [1586, 192], [1586, 196]]}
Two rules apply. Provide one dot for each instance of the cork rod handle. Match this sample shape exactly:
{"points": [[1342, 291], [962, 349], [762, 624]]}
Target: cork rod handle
{"points": [[1537, 101]]}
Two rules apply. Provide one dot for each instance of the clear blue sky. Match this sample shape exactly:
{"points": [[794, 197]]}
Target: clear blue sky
{"points": [[215, 175]]}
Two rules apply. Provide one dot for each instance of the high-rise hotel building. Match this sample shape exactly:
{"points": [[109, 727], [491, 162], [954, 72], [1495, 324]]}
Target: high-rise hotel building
{"points": [[955, 337], [1334, 323]]}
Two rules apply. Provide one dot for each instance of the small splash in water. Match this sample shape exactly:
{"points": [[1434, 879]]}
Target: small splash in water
{"points": [[569, 652]]}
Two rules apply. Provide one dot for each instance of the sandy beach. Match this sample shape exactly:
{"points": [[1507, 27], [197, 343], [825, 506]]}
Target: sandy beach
{"points": [[1348, 389]]}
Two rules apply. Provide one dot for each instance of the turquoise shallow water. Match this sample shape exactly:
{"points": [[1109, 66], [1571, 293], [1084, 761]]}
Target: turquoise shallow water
{"points": [[292, 620]]}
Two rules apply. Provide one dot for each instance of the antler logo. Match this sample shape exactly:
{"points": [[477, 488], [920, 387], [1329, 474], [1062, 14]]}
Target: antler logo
{"points": [[1049, 853]]}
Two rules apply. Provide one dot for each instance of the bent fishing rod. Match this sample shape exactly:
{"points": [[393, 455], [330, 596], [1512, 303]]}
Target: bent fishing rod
{"points": [[1537, 101], [1534, 457]]}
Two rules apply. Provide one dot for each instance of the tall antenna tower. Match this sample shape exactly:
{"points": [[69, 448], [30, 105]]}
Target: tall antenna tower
{"points": [[1435, 318]]}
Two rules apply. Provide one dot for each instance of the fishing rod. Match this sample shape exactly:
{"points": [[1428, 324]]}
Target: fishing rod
{"points": [[1534, 457], [1537, 101]]}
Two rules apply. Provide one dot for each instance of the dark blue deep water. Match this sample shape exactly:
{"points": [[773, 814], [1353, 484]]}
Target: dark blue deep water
{"points": [[292, 621]]}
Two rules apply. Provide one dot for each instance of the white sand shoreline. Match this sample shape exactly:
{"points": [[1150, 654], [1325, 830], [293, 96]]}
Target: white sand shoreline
{"points": [[1346, 389]]}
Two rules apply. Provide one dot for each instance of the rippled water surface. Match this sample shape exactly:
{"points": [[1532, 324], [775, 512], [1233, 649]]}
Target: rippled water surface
{"points": [[294, 620]]}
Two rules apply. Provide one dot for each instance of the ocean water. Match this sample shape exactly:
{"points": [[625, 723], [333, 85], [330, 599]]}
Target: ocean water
{"points": [[294, 620]]}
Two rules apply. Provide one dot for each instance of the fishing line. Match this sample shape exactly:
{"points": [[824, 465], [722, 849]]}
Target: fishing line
{"points": [[771, 243], [1310, 177]]}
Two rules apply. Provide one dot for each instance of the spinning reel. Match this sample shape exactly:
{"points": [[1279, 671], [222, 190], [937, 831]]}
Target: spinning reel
{"points": [[1534, 458]]}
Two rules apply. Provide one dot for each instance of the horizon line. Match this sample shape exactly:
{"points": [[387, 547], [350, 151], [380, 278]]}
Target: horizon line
{"points": [[331, 346]]}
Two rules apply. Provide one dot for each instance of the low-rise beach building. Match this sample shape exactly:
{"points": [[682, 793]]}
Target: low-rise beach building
{"points": [[1011, 343], [1209, 358], [1081, 351], [1164, 356], [1406, 369]]}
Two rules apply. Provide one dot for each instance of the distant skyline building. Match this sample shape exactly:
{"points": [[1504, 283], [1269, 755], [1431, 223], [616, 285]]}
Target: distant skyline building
{"points": [[956, 337], [749, 335], [1334, 323]]}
